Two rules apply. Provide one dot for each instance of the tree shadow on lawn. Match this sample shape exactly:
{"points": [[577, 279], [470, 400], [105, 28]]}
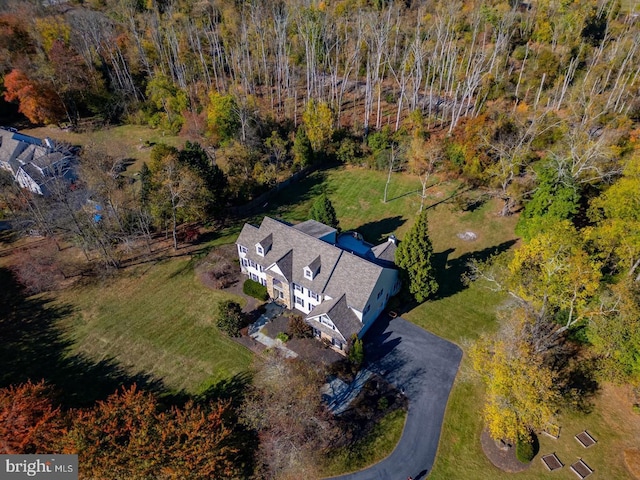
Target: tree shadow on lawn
{"points": [[33, 347], [244, 439], [378, 231], [294, 194], [450, 273]]}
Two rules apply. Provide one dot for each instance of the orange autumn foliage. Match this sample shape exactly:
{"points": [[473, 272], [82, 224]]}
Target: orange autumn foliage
{"points": [[129, 436], [39, 103], [29, 423]]}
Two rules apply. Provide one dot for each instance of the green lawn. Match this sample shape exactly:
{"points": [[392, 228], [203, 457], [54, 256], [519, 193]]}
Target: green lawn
{"points": [[155, 320]]}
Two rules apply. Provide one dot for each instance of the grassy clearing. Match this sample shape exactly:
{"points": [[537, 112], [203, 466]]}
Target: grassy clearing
{"points": [[155, 320], [378, 444], [124, 141], [459, 314]]}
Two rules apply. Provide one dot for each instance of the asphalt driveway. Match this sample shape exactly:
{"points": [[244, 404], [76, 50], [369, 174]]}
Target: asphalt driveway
{"points": [[425, 366]]}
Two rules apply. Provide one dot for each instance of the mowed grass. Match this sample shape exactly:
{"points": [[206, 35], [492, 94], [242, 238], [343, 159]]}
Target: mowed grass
{"points": [[155, 320], [121, 142]]}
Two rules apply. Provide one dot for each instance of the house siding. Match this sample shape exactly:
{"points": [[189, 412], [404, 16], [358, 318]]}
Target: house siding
{"points": [[389, 284]]}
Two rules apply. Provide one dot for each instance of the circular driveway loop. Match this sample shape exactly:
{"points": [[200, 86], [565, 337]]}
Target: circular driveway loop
{"points": [[425, 366]]}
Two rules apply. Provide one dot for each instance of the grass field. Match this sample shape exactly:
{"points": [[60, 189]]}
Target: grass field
{"points": [[124, 141], [155, 320]]}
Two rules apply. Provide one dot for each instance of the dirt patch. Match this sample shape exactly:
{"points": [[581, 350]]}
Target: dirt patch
{"points": [[503, 457], [632, 461]]}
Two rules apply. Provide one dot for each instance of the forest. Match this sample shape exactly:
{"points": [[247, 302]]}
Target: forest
{"points": [[534, 103]]}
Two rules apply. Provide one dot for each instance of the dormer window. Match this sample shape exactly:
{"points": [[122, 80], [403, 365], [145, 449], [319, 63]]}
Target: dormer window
{"points": [[311, 270], [260, 250]]}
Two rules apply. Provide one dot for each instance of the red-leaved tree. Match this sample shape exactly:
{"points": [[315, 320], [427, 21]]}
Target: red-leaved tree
{"points": [[29, 423], [38, 102]]}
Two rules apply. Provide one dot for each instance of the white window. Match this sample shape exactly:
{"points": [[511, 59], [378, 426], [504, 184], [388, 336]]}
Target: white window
{"points": [[277, 283], [314, 295], [325, 320], [254, 277], [245, 262], [280, 293], [263, 281], [298, 288], [260, 250], [308, 273], [299, 301], [337, 343], [242, 248], [311, 306]]}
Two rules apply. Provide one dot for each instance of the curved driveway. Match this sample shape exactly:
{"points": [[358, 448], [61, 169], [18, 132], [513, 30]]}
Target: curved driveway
{"points": [[425, 366]]}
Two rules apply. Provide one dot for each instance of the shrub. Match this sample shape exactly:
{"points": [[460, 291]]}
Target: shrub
{"points": [[230, 318], [283, 337], [356, 352], [255, 290], [527, 448], [298, 328]]}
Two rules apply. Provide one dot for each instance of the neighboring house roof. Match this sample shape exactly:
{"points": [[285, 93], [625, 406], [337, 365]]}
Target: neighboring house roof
{"points": [[314, 228], [34, 158], [340, 314], [338, 271]]}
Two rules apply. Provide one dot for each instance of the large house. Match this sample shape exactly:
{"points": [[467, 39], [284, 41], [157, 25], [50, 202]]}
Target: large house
{"points": [[305, 267], [34, 163]]}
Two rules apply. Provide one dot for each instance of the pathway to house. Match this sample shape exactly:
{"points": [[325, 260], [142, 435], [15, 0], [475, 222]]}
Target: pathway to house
{"points": [[424, 366], [272, 310]]}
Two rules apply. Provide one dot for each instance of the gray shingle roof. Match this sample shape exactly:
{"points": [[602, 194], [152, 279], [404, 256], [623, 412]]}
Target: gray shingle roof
{"points": [[314, 228], [340, 314], [340, 272], [356, 277], [385, 251], [266, 242]]}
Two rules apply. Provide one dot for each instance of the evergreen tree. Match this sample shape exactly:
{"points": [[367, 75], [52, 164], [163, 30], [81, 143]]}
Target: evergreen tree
{"points": [[413, 256], [302, 152], [145, 184], [322, 211]]}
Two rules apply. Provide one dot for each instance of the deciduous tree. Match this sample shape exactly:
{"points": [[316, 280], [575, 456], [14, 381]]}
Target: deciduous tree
{"points": [[38, 102], [29, 422], [521, 389], [554, 273]]}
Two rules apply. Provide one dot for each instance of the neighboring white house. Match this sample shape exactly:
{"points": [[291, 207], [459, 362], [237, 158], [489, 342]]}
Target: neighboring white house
{"points": [[303, 267], [34, 163]]}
